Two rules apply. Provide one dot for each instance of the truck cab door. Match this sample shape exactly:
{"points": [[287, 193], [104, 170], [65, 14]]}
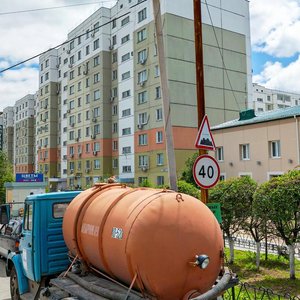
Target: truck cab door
{"points": [[26, 241]]}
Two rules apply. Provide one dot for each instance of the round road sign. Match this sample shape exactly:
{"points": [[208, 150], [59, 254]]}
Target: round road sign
{"points": [[206, 171]]}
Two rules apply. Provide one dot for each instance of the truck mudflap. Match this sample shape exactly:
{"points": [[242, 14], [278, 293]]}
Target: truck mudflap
{"points": [[22, 280], [227, 281]]}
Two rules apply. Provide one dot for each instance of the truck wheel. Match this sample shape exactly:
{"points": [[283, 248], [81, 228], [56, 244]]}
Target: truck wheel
{"points": [[14, 287]]}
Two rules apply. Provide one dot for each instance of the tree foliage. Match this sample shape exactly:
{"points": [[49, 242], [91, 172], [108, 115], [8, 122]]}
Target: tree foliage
{"points": [[278, 200], [187, 173], [235, 196], [188, 188], [6, 174]]}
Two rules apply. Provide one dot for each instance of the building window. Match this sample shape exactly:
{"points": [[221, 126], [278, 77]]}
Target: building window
{"points": [[143, 139], [126, 112], [126, 169], [97, 164], [96, 77], [126, 94], [126, 150], [142, 97], [96, 112], [159, 115], [143, 161], [96, 27], [142, 15], [125, 39], [114, 40], [220, 154], [115, 163], [244, 152], [159, 137], [125, 57], [114, 57], [275, 151], [156, 71], [141, 35], [126, 131], [142, 56], [87, 50], [160, 180], [126, 75], [114, 23], [115, 145], [143, 118], [114, 74], [159, 159], [79, 55], [96, 44], [115, 110], [142, 77], [96, 61], [115, 127], [125, 21], [96, 95], [157, 92], [97, 129]]}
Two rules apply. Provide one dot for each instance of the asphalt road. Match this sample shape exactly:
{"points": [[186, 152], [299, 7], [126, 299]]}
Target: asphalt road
{"points": [[4, 283]]}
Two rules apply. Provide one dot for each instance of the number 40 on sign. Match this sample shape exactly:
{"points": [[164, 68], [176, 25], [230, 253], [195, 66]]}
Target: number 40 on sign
{"points": [[206, 171]]}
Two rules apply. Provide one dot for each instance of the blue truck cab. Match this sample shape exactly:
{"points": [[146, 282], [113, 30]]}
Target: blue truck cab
{"points": [[42, 251]]}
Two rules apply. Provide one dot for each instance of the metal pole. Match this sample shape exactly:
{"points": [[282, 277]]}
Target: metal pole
{"points": [[166, 96], [199, 76]]}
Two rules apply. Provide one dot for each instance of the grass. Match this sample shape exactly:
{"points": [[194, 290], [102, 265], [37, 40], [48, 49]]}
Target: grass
{"points": [[272, 273]]}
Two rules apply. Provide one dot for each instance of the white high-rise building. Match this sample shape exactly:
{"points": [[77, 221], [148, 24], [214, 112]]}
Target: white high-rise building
{"points": [[100, 106]]}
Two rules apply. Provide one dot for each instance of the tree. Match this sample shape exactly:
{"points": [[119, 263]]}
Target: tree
{"points": [[187, 174], [188, 188], [6, 174], [235, 196], [279, 201]]}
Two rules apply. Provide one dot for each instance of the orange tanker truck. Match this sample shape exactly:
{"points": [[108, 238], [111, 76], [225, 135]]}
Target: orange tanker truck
{"points": [[116, 242]]}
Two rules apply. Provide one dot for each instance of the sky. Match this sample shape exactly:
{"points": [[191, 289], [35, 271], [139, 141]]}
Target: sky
{"points": [[275, 39]]}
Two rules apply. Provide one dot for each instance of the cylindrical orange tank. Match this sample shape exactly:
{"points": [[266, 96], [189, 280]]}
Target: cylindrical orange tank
{"points": [[149, 233]]}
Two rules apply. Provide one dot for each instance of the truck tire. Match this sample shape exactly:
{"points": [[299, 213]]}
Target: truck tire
{"points": [[14, 286]]}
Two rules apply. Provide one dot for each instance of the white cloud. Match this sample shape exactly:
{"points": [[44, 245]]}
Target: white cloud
{"points": [[275, 27], [15, 84], [275, 76], [25, 35]]}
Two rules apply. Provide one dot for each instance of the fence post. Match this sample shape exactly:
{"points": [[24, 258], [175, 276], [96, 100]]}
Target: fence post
{"points": [[233, 293]]}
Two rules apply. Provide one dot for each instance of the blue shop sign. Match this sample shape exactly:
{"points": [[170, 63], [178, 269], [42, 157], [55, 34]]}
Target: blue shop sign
{"points": [[29, 177]]}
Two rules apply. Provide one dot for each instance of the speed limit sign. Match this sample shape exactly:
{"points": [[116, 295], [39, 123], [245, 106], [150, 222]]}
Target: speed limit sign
{"points": [[206, 171]]}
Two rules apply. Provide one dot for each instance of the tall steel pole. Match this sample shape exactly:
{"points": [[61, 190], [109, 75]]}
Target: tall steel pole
{"points": [[166, 96], [199, 76]]}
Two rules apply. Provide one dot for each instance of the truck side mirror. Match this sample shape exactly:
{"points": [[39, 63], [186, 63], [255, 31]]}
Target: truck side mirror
{"points": [[4, 214]]}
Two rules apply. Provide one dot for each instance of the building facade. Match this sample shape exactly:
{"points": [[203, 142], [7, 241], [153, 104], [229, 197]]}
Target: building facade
{"points": [[24, 134], [265, 99], [8, 132], [103, 87], [99, 105], [260, 146]]}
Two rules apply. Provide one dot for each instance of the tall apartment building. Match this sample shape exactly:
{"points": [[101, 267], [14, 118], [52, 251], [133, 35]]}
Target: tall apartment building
{"points": [[265, 99], [1, 131], [100, 107], [8, 132], [24, 133]]}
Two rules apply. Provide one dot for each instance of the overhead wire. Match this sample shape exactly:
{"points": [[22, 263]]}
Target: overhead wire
{"points": [[70, 40], [50, 8]]}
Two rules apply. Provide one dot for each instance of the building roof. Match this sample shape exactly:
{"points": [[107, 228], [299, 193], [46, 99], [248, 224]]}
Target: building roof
{"points": [[248, 117]]}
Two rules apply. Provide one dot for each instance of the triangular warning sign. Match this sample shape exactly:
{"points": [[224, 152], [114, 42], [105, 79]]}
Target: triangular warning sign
{"points": [[204, 138]]}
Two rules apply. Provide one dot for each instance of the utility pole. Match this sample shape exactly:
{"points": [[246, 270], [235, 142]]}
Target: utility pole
{"points": [[199, 76], [166, 96]]}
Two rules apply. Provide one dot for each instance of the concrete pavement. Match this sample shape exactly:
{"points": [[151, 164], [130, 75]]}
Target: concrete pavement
{"points": [[4, 283]]}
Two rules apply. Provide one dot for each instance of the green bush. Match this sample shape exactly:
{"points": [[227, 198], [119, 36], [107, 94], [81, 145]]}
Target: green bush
{"points": [[188, 188]]}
